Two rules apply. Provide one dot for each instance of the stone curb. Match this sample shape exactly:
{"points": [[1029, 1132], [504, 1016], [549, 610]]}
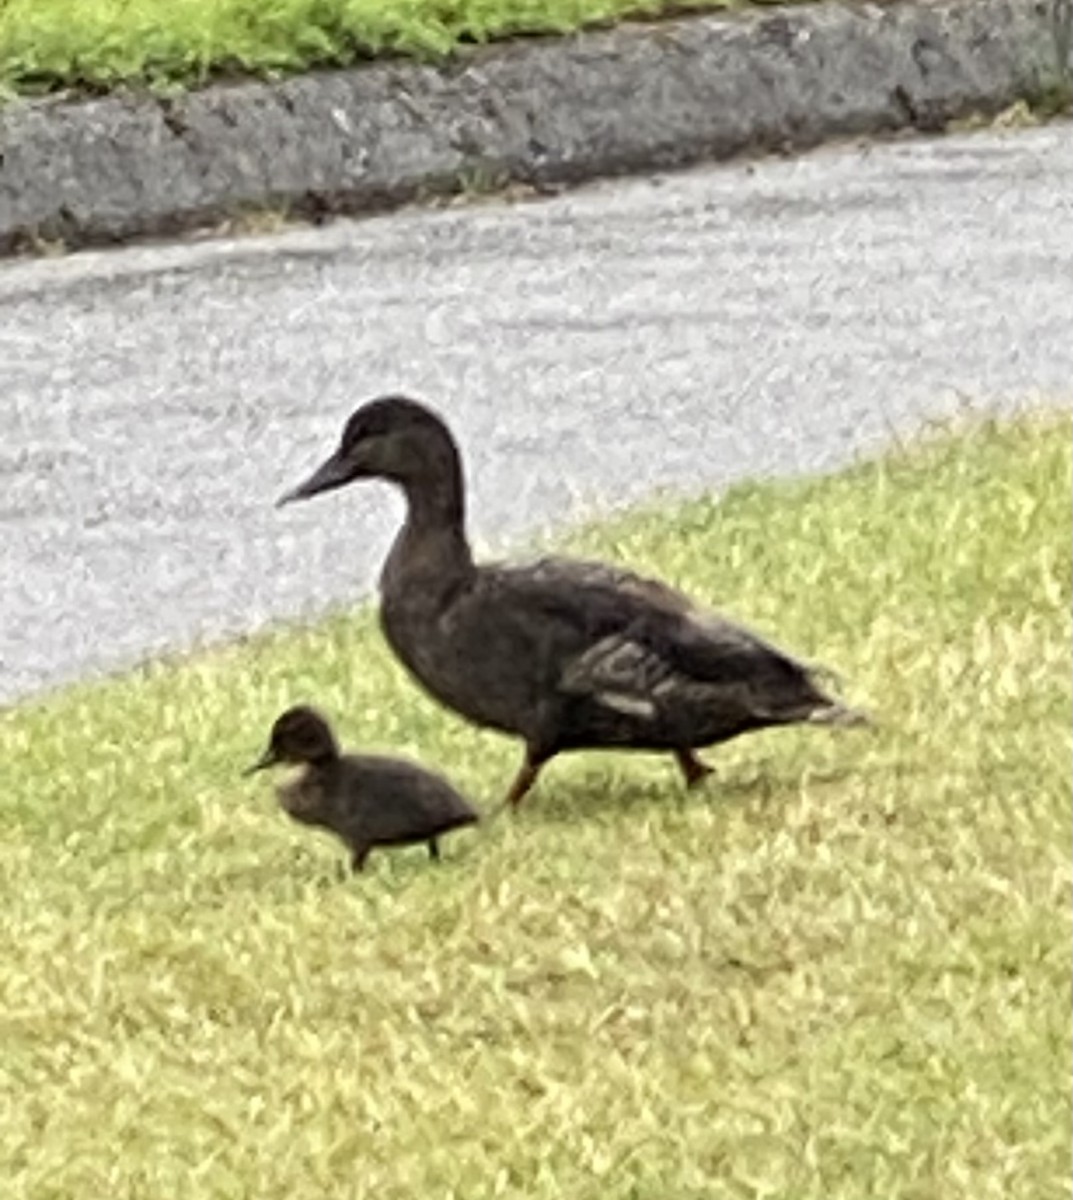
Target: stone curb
{"points": [[638, 97]]}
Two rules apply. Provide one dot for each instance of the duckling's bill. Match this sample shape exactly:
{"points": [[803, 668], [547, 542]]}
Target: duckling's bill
{"points": [[268, 759]]}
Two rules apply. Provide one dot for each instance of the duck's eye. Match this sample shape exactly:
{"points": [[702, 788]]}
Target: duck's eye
{"points": [[354, 433]]}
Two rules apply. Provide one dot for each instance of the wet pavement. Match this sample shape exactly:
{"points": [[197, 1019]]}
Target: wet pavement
{"points": [[683, 331]]}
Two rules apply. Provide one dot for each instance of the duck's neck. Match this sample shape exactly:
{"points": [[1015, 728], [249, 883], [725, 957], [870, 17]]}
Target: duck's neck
{"points": [[437, 501], [432, 549]]}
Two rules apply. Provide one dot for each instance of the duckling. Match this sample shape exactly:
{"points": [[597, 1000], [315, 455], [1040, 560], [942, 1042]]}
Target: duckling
{"points": [[366, 800], [566, 654]]}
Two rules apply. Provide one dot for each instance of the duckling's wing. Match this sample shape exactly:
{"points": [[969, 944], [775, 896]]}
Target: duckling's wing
{"points": [[400, 799]]}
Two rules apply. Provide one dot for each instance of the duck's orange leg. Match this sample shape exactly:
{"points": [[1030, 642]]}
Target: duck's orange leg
{"points": [[691, 767], [522, 781]]}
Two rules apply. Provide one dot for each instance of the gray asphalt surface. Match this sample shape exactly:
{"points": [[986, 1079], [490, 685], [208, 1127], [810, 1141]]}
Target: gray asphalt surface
{"points": [[677, 332]]}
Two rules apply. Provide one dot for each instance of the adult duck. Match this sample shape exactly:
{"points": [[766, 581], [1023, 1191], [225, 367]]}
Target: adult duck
{"points": [[566, 654]]}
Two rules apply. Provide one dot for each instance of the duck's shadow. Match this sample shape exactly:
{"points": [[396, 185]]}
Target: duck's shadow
{"points": [[581, 798]]}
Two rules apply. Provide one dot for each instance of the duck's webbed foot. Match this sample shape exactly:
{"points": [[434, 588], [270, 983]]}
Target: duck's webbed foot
{"points": [[694, 770]]}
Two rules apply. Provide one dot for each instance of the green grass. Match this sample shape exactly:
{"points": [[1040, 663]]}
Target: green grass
{"points": [[98, 44], [841, 972]]}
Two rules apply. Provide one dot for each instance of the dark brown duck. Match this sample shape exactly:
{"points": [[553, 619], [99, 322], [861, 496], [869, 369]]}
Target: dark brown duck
{"points": [[565, 654], [365, 800]]}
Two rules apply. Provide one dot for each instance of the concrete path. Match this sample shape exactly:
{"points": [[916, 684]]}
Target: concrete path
{"points": [[683, 331]]}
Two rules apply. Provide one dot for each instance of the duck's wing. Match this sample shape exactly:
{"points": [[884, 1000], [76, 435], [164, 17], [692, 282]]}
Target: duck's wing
{"points": [[637, 644], [592, 594]]}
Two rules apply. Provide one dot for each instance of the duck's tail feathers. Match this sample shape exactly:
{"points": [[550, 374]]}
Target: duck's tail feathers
{"points": [[830, 711], [820, 671], [841, 715]]}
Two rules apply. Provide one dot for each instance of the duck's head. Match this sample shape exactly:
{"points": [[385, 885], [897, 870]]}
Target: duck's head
{"points": [[392, 438], [300, 735]]}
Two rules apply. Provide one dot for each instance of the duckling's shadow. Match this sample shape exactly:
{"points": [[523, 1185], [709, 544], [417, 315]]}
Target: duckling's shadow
{"points": [[396, 867]]}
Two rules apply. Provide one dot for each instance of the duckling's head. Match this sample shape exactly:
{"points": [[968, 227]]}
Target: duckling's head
{"points": [[300, 735], [392, 438]]}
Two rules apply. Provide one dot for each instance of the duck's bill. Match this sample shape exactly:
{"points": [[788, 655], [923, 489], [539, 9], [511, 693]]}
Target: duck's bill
{"points": [[267, 759], [332, 473]]}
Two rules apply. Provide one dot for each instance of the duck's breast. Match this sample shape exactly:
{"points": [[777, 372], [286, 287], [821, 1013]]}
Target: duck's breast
{"points": [[473, 658]]}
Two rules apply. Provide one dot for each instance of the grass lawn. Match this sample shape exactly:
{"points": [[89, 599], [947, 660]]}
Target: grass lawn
{"points": [[97, 44], [840, 972]]}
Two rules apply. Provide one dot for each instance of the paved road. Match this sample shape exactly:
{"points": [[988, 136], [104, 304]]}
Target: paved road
{"points": [[679, 331]]}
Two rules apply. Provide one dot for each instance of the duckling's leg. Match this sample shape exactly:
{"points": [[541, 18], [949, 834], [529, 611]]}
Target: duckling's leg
{"points": [[433, 849], [692, 768], [357, 861]]}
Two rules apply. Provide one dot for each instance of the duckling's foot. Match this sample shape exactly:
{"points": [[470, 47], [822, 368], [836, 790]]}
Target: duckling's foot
{"points": [[691, 767], [357, 862]]}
